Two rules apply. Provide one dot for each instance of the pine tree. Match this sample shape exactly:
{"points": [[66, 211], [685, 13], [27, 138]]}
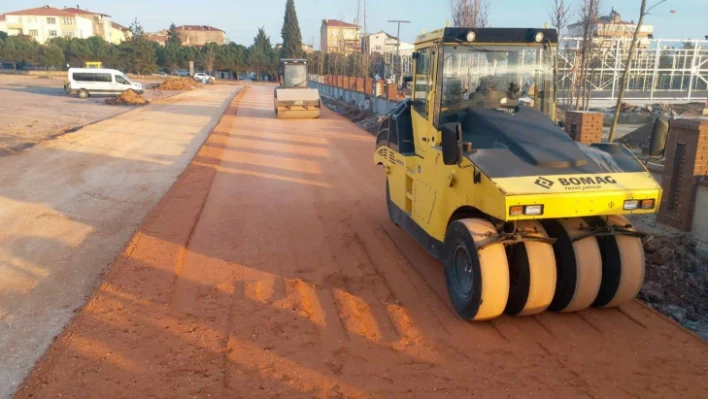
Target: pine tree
{"points": [[173, 36], [139, 51], [292, 38]]}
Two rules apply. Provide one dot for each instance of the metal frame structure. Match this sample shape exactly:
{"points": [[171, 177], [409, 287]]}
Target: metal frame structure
{"points": [[662, 69]]}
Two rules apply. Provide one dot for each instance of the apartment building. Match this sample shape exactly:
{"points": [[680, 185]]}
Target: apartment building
{"points": [[199, 35], [339, 37], [47, 22], [611, 29], [383, 43]]}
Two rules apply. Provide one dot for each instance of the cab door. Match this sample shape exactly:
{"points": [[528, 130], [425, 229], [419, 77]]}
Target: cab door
{"points": [[422, 97], [420, 180]]}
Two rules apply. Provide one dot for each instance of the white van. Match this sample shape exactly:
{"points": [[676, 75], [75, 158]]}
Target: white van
{"points": [[87, 81]]}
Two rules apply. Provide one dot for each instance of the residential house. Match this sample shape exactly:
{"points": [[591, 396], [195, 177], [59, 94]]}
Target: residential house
{"points": [[47, 22], [44, 23], [199, 35], [382, 42], [159, 37], [102, 24], [339, 37], [611, 29], [119, 33]]}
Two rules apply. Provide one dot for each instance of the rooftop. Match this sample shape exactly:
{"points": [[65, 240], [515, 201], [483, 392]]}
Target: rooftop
{"points": [[2, 17], [339, 24], [42, 11], [79, 11], [118, 26], [199, 28]]}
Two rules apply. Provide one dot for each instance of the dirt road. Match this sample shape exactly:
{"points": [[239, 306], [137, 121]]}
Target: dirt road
{"points": [[68, 207], [271, 270]]}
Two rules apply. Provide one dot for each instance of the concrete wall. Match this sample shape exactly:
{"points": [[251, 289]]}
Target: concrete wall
{"points": [[379, 105], [700, 219]]}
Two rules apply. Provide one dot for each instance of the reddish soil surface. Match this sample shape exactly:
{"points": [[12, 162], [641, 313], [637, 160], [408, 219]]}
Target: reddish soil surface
{"points": [[271, 270]]}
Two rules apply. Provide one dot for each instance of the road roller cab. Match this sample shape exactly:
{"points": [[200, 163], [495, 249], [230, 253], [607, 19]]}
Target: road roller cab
{"points": [[523, 218], [293, 99]]}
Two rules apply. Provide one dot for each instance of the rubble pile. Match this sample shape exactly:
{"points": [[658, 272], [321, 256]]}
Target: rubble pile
{"points": [[178, 84], [128, 97], [364, 118], [676, 282], [639, 138]]}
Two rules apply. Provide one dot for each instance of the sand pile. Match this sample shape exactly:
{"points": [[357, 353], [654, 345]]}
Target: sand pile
{"points": [[178, 84], [128, 97]]}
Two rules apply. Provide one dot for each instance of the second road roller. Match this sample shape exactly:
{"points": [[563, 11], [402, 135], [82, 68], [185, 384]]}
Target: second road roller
{"points": [[523, 218], [292, 98]]}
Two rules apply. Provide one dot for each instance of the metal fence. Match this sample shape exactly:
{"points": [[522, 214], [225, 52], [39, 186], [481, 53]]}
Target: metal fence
{"points": [[661, 69]]}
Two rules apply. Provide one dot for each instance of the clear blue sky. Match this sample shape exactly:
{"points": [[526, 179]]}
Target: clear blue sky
{"points": [[241, 18]]}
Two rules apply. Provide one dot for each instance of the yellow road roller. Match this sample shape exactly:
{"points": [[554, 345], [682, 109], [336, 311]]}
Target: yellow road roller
{"points": [[293, 99], [523, 218]]}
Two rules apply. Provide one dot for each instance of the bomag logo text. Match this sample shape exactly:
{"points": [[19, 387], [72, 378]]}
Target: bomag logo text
{"points": [[587, 181]]}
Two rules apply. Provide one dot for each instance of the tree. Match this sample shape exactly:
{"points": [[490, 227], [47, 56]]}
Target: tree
{"points": [[292, 38], [263, 59], [643, 11], [51, 56], [376, 65], [470, 13], [173, 36], [590, 15], [207, 56], [139, 51], [560, 15]]}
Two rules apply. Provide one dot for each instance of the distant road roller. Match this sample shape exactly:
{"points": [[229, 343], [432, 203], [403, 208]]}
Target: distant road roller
{"points": [[523, 218], [293, 99]]}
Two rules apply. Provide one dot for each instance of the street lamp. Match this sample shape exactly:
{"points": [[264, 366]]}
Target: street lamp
{"points": [[398, 40]]}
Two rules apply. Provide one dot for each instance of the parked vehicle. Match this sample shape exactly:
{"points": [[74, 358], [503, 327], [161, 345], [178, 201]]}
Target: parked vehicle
{"points": [[86, 81], [203, 77]]}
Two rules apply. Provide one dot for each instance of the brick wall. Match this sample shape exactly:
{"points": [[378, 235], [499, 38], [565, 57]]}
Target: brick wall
{"points": [[686, 164], [391, 91], [584, 127], [369, 86]]}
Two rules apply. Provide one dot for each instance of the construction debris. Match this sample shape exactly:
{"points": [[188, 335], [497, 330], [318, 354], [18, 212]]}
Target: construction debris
{"points": [[639, 138], [364, 118], [178, 84], [128, 97], [676, 282]]}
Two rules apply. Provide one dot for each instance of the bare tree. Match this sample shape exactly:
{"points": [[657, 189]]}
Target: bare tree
{"points": [[589, 17], [560, 15], [643, 11], [470, 13]]}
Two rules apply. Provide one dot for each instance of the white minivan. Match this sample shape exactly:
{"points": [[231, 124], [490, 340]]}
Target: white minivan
{"points": [[85, 81]]}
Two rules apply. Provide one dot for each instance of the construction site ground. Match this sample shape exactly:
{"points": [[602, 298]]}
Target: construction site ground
{"points": [[69, 205], [35, 109], [270, 270]]}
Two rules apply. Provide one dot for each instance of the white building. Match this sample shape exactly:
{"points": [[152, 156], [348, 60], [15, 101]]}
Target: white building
{"points": [[47, 22], [383, 43], [611, 29]]}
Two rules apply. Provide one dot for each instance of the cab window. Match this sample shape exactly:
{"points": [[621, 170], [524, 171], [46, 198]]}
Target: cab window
{"points": [[121, 80], [422, 84]]}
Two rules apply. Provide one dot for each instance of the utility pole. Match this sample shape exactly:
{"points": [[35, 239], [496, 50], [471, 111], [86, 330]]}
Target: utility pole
{"points": [[398, 43]]}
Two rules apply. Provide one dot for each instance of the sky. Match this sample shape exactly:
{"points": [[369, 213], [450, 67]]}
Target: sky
{"points": [[242, 18]]}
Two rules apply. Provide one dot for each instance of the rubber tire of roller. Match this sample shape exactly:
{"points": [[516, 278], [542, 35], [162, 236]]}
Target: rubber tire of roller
{"points": [[532, 272], [622, 267], [579, 265], [489, 268]]}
